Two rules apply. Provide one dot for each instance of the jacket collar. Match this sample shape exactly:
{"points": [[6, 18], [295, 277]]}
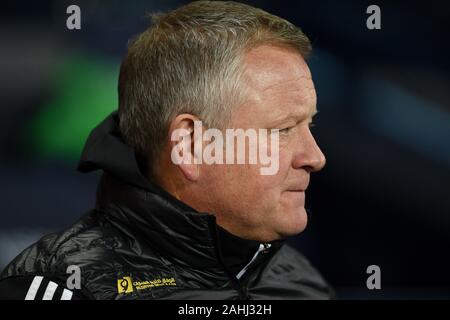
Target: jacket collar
{"points": [[146, 211]]}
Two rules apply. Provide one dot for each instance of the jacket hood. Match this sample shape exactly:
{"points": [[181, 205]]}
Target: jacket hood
{"points": [[146, 211], [106, 150]]}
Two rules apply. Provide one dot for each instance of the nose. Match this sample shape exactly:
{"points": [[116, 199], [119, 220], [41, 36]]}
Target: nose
{"points": [[307, 154]]}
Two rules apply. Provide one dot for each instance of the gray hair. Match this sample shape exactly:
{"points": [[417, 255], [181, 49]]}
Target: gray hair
{"points": [[190, 61]]}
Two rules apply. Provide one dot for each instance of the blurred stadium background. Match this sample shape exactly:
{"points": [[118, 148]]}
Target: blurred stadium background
{"points": [[384, 125]]}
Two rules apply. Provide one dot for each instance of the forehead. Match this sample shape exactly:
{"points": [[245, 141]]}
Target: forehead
{"points": [[278, 83]]}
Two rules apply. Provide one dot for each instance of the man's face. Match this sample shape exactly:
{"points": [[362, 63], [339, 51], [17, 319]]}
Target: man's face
{"points": [[280, 95]]}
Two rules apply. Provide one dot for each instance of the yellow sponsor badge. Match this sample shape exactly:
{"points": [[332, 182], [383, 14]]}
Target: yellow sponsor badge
{"points": [[124, 285]]}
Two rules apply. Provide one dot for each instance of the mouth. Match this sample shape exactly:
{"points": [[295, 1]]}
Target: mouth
{"points": [[298, 186], [296, 190], [295, 197]]}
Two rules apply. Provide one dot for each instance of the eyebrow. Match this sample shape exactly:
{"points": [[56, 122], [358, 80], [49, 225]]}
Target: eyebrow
{"points": [[296, 117]]}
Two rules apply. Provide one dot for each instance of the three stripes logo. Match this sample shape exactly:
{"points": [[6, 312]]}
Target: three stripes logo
{"points": [[43, 289], [125, 285]]}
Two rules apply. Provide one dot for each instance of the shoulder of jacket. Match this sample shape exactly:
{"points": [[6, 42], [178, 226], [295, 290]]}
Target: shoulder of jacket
{"points": [[39, 288], [90, 245], [297, 268]]}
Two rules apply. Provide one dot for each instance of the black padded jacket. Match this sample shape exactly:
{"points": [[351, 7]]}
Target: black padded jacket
{"points": [[139, 242]]}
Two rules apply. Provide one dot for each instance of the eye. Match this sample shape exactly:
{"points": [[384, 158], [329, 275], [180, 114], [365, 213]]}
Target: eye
{"points": [[285, 130]]}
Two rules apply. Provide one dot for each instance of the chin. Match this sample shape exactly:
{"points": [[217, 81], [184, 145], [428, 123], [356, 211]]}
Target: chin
{"points": [[295, 223]]}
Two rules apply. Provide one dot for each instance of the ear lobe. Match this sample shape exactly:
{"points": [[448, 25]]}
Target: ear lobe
{"points": [[190, 171], [182, 146]]}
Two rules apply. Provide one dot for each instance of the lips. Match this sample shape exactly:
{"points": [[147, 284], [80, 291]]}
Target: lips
{"points": [[297, 186], [300, 188], [296, 197]]}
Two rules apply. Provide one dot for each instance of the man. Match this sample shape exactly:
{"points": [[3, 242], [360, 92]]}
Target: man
{"points": [[193, 229]]}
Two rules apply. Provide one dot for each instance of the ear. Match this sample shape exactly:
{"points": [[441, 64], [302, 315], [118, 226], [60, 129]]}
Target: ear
{"points": [[184, 143]]}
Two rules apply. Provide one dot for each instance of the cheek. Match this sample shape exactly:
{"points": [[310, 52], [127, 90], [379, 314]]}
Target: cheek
{"points": [[245, 185], [233, 180], [285, 160], [248, 180]]}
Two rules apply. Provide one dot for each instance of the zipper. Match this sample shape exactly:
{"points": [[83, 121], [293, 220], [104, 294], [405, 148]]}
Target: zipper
{"points": [[263, 248]]}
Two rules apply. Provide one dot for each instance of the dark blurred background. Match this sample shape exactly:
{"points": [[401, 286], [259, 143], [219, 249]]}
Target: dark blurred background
{"points": [[384, 125]]}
